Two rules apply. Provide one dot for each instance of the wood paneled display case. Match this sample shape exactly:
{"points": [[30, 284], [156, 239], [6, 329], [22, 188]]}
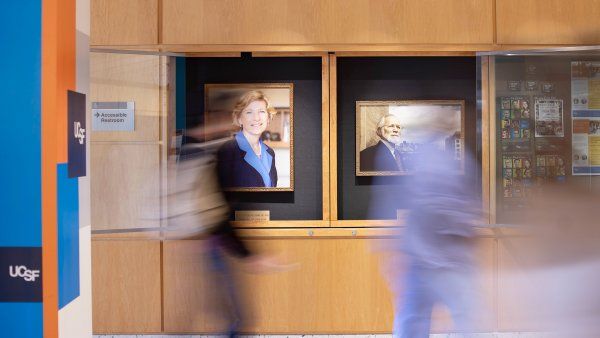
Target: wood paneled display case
{"points": [[382, 198], [296, 88], [170, 96], [542, 112], [335, 53], [530, 119]]}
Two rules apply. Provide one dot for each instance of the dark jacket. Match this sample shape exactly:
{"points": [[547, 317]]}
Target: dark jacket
{"points": [[377, 158], [235, 172]]}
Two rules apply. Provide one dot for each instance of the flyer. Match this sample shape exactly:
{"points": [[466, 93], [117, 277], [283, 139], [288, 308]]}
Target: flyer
{"points": [[549, 118], [585, 113], [585, 85], [586, 142]]}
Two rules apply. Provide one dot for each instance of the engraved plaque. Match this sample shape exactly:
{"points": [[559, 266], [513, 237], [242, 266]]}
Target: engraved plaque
{"points": [[252, 215]]}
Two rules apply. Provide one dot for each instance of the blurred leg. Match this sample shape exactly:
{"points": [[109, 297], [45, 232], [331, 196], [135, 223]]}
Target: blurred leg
{"points": [[456, 290], [229, 289], [414, 318]]}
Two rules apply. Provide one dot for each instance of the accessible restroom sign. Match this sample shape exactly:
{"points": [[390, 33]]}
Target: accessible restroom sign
{"points": [[113, 116]]}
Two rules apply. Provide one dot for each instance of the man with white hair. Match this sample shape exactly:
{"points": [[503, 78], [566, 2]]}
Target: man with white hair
{"points": [[385, 155]]}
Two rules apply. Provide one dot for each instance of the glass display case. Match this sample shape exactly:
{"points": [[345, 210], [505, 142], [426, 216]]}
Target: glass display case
{"points": [[542, 109]]}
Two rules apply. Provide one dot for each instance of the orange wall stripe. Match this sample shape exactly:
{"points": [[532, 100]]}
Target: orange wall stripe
{"points": [[49, 204], [58, 75], [49, 246], [66, 75]]}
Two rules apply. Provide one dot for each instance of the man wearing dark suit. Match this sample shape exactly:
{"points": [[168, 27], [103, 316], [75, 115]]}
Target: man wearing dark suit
{"points": [[384, 156]]}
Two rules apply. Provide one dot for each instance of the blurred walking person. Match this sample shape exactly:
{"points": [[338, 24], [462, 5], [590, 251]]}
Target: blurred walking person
{"points": [[438, 243], [198, 209]]}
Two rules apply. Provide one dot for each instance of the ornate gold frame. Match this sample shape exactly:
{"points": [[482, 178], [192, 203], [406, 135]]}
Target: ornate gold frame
{"points": [[360, 104], [290, 86]]}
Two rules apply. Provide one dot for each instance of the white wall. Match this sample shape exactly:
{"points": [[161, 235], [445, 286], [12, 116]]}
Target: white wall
{"points": [[75, 319]]}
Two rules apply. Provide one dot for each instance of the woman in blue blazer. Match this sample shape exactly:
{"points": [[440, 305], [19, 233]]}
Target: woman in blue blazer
{"points": [[245, 161]]}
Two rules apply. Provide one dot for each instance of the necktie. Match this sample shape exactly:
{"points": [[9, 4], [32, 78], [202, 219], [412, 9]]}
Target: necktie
{"points": [[398, 158]]}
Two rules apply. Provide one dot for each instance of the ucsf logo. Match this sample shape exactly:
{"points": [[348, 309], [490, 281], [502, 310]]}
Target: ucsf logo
{"points": [[78, 132], [23, 272]]}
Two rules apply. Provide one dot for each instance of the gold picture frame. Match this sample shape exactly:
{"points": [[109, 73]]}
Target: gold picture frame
{"points": [[219, 100], [376, 157]]}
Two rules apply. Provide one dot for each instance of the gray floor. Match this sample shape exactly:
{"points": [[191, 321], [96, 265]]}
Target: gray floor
{"points": [[479, 335]]}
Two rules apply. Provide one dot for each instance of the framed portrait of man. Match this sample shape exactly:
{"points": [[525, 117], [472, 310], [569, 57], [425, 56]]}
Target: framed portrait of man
{"points": [[389, 134], [258, 119]]}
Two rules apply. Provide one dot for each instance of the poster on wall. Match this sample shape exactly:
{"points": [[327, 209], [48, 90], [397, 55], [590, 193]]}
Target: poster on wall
{"points": [[549, 118], [258, 119], [390, 133], [586, 142], [585, 113], [585, 85], [517, 176], [515, 115]]}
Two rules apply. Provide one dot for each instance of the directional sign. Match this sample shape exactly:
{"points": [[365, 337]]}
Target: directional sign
{"points": [[113, 116]]}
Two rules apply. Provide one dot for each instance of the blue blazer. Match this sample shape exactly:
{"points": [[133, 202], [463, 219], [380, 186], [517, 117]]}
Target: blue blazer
{"points": [[235, 172]]}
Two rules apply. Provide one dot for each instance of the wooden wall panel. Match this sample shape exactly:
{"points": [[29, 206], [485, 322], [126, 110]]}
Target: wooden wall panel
{"points": [[327, 21], [127, 77], [517, 286], [124, 182], [483, 293], [191, 301], [126, 287], [548, 21], [486, 287], [339, 287], [124, 22]]}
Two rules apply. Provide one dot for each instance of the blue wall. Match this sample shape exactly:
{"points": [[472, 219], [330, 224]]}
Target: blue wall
{"points": [[20, 176], [20, 90], [68, 236]]}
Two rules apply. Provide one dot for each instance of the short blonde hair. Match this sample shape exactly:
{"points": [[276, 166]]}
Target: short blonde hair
{"points": [[246, 99]]}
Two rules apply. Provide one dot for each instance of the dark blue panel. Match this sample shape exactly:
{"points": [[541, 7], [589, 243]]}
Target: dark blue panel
{"points": [[21, 320], [20, 133], [20, 274], [76, 133], [68, 236]]}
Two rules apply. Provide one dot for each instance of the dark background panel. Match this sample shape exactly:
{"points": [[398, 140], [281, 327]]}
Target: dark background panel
{"points": [[395, 78], [305, 202], [554, 69]]}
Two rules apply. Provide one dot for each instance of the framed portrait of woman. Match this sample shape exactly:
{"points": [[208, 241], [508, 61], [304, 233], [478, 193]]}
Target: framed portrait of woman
{"points": [[258, 154], [389, 134]]}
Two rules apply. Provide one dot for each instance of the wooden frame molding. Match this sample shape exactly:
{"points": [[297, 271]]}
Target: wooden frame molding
{"points": [[333, 175], [339, 49], [326, 141], [323, 232], [491, 92], [485, 134]]}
